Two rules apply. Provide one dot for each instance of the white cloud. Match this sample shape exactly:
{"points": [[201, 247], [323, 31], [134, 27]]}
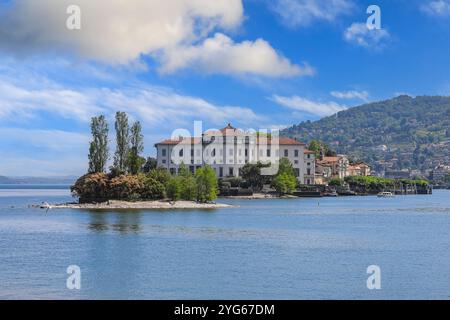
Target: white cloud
{"points": [[151, 104], [360, 35], [57, 140], [437, 8], [301, 13], [362, 95], [121, 32], [312, 107], [221, 55]]}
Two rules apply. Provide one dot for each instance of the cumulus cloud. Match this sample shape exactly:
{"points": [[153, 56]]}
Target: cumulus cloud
{"points": [[121, 32], [437, 8], [220, 54], [301, 13], [362, 95], [360, 35], [305, 105]]}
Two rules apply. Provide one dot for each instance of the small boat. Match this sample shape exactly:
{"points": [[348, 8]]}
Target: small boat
{"points": [[331, 194], [385, 195]]}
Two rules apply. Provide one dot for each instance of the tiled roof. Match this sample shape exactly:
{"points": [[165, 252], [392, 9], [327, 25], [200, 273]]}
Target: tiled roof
{"points": [[229, 130], [331, 159], [181, 140], [282, 141]]}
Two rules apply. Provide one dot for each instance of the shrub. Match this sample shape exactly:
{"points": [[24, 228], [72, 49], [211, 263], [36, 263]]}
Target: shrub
{"points": [[125, 187], [91, 186], [151, 188]]}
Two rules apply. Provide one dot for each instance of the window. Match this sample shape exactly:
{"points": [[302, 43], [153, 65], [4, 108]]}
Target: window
{"points": [[221, 172], [192, 153], [164, 152], [308, 172], [164, 161], [246, 152], [295, 161], [297, 172], [296, 153], [286, 153], [268, 152], [181, 153], [172, 170], [213, 153], [231, 171]]}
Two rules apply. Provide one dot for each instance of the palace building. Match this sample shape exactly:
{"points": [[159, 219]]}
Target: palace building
{"points": [[229, 149]]}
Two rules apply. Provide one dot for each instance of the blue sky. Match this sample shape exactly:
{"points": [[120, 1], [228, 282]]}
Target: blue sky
{"points": [[255, 63]]}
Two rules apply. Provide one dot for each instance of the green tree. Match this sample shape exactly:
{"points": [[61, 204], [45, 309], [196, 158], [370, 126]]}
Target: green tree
{"points": [[336, 182], [188, 184], [284, 183], [316, 147], [150, 164], [122, 143], [161, 175], [98, 149], [285, 166], [135, 161], [251, 173], [207, 184], [173, 189]]}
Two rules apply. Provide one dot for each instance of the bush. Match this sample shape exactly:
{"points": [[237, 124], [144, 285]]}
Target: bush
{"points": [[151, 188], [126, 187], [91, 186]]}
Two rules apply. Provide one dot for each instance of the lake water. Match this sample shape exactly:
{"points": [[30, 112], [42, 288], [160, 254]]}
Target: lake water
{"points": [[265, 249]]}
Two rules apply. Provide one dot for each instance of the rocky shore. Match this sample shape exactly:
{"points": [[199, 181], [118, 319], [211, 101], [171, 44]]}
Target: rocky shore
{"points": [[113, 204]]}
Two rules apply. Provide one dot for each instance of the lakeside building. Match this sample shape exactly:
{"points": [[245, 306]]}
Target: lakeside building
{"points": [[227, 150], [359, 169], [339, 165]]}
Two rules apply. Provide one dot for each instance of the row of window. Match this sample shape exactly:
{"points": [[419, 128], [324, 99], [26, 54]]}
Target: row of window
{"points": [[231, 153]]}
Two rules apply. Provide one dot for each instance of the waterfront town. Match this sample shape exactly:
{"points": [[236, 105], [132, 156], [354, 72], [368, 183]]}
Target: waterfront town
{"points": [[229, 149]]}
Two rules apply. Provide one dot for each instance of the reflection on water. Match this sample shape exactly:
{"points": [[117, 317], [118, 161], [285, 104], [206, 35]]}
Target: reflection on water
{"points": [[123, 221]]}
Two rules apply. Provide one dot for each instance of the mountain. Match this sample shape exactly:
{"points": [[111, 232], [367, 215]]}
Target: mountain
{"points": [[400, 133], [4, 180], [38, 180]]}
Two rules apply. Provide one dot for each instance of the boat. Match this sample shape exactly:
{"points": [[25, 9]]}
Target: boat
{"points": [[331, 194], [385, 195]]}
